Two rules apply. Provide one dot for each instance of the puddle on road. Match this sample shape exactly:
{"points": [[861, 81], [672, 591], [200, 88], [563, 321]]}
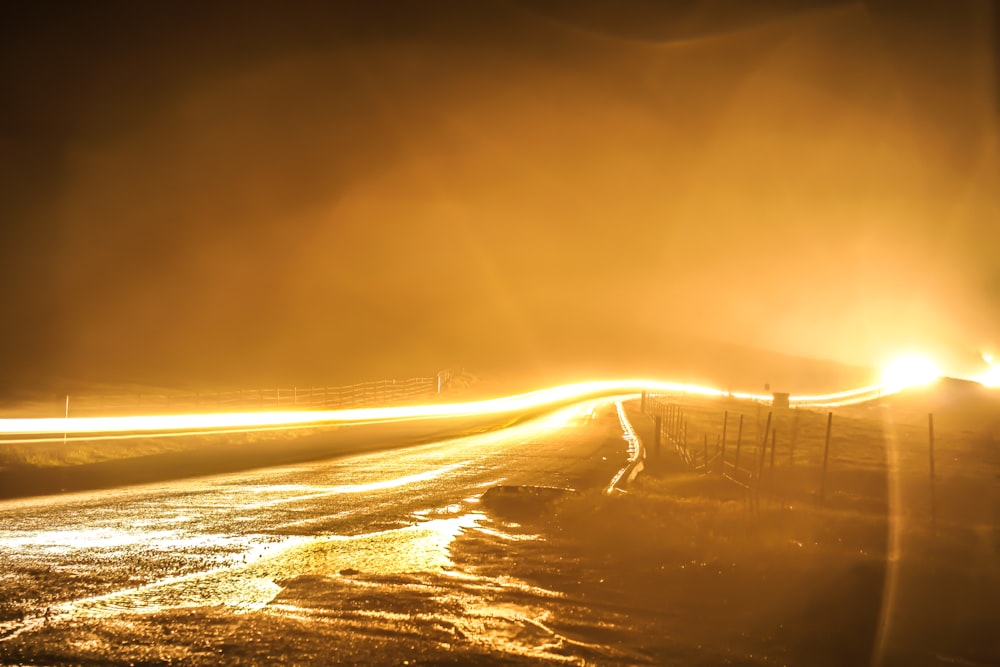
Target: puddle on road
{"points": [[372, 584], [422, 547]]}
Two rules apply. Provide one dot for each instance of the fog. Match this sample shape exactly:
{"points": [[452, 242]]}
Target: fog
{"points": [[250, 193]]}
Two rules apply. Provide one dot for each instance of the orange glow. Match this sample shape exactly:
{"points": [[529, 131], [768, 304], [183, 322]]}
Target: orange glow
{"points": [[909, 371]]}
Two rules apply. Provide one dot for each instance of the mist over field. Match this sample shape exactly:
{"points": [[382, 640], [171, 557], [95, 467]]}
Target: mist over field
{"points": [[240, 193]]}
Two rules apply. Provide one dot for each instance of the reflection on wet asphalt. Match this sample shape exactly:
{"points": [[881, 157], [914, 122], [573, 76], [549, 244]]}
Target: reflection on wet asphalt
{"points": [[230, 540]]}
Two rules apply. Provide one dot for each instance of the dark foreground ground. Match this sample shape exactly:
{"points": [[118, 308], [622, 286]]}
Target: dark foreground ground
{"points": [[686, 568]]}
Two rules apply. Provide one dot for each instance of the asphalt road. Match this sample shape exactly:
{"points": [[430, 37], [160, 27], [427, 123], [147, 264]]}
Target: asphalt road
{"points": [[228, 541]]}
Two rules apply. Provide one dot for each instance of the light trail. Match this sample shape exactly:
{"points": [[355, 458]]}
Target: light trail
{"points": [[107, 427], [847, 397], [534, 400]]}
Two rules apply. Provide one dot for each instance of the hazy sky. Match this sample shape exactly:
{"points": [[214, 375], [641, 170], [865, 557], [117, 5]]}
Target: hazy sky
{"points": [[239, 192]]}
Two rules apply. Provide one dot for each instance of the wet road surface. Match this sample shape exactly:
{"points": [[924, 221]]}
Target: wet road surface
{"points": [[231, 542]]}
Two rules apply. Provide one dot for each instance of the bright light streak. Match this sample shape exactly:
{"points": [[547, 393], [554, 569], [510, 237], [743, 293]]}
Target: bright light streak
{"points": [[313, 492], [906, 373], [534, 400], [909, 371], [841, 397]]}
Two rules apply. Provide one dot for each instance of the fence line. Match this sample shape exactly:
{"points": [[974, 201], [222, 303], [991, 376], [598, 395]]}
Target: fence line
{"points": [[674, 425], [748, 469], [373, 393], [755, 469]]}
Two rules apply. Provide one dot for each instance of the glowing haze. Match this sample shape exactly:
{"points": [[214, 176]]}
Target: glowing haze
{"points": [[217, 194]]}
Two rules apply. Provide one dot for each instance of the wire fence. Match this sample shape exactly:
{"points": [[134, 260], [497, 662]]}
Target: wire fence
{"points": [[375, 393], [787, 454]]}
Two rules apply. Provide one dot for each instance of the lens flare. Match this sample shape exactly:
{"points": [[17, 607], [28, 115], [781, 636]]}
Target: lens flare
{"points": [[909, 371]]}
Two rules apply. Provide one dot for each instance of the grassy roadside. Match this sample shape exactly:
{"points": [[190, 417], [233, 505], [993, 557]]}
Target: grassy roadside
{"points": [[708, 575]]}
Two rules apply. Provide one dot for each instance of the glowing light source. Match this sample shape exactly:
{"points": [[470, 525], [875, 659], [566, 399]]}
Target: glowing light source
{"points": [[909, 371], [991, 378]]}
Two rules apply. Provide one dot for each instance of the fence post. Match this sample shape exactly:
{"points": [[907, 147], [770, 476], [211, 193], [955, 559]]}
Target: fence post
{"points": [[770, 471], [706, 453], [739, 441], [826, 455], [658, 420], [930, 438], [774, 444], [722, 451], [795, 437], [763, 451]]}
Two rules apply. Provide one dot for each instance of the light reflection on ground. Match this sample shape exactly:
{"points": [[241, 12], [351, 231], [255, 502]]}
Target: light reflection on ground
{"points": [[67, 541], [499, 614], [418, 548], [302, 492], [388, 568]]}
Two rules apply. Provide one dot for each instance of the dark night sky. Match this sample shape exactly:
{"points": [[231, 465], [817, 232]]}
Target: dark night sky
{"points": [[246, 192]]}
